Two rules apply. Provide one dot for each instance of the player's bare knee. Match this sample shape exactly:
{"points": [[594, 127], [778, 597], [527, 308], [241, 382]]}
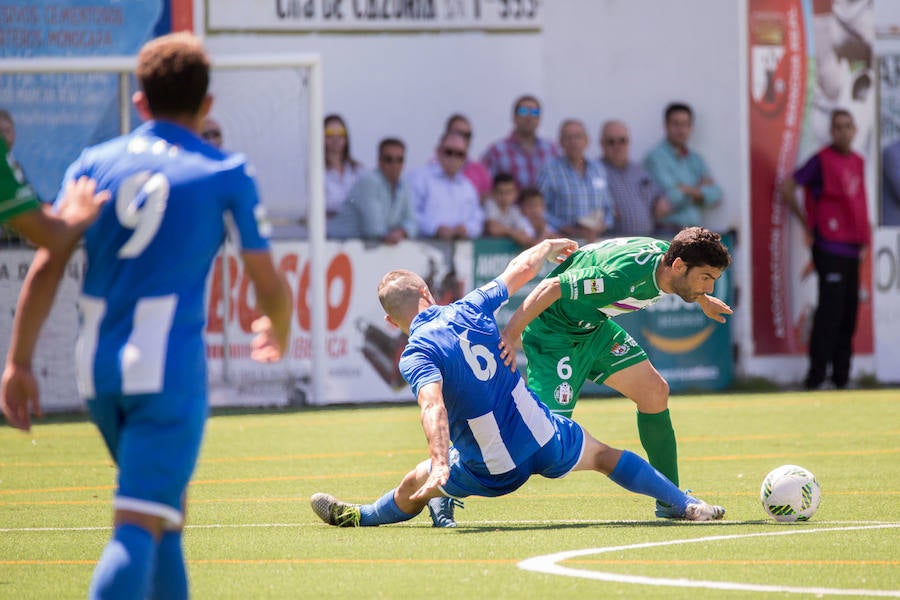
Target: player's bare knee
{"points": [[654, 398]]}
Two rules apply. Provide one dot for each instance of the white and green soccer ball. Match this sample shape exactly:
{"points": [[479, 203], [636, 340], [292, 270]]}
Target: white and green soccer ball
{"points": [[790, 493]]}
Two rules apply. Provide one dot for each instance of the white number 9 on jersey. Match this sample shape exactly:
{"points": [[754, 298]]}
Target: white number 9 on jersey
{"points": [[140, 205]]}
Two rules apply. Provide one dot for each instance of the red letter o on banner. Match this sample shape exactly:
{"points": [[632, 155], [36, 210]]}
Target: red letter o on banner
{"points": [[340, 268]]}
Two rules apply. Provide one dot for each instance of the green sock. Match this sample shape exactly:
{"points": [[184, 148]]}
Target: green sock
{"points": [[658, 439]]}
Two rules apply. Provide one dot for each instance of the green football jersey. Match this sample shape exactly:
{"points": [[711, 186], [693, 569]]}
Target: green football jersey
{"points": [[605, 279], [16, 195]]}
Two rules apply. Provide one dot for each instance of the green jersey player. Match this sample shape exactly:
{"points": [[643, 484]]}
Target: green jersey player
{"points": [[568, 335], [20, 206]]}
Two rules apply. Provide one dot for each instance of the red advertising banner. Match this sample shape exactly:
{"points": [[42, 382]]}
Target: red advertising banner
{"points": [[795, 82]]}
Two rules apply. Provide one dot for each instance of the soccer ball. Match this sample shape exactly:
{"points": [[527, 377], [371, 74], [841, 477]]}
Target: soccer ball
{"points": [[790, 493]]}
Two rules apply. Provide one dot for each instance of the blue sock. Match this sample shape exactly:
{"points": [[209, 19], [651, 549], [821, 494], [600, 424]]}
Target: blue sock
{"points": [[125, 566], [170, 576], [382, 511], [636, 475]]}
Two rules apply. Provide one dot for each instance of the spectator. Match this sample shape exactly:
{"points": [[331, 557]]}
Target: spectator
{"points": [[378, 207], [531, 203], [341, 169], [637, 200], [523, 153], [211, 132], [502, 218], [444, 200], [476, 172], [836, 222], [681, 172], [575, 187]]}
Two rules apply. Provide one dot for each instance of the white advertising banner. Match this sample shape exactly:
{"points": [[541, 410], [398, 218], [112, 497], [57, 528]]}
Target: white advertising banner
{"points": [[372, 15], [886, 289], [362, 348], [53, 364]]}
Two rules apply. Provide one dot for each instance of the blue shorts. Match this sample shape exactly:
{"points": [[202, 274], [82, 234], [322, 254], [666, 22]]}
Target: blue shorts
{"points": [[555, 459], [155, 440]]}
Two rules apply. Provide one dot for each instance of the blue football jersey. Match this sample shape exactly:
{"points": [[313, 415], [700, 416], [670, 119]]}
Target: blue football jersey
{"points": [[495, 421], [149, 253]]}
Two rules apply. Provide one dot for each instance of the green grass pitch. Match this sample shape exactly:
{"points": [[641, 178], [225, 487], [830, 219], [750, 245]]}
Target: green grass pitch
{"points": [[252, 534]]}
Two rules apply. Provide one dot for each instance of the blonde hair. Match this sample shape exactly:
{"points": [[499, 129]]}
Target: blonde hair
{"points": [[399, 292]]}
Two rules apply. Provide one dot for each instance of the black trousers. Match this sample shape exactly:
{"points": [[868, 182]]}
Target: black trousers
{"points": [[831, 342]]}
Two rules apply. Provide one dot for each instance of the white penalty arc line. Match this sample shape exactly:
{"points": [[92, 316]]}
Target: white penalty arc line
{"points": [[548, 564]]}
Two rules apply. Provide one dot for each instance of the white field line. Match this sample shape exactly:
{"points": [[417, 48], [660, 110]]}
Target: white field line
{"points": [[548, 564]]}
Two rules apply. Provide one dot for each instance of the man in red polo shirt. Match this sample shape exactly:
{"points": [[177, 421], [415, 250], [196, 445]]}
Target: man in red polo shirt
{"points": [[836, 222]]}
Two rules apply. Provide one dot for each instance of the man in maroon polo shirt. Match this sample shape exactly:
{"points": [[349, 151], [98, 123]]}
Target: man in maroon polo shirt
{"points": [[836, 222]]}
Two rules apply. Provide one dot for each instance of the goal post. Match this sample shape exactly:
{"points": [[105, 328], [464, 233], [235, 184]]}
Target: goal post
{"points": [[273, 118]]}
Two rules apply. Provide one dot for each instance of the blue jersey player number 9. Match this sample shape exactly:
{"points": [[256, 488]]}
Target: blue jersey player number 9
{"points": [[140, 205]]}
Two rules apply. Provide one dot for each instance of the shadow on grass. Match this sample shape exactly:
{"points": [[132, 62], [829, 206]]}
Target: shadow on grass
{"points": [[462, 528]]}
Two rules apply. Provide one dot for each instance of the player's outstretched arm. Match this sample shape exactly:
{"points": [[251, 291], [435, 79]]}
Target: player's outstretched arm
{"points": [[273, 329], [19, 396], [79, 208], [437, 432], [524, 267], [714, 308], [541, 297]]}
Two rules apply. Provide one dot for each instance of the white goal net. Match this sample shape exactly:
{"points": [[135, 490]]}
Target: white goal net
{"points": [[269, 108]]}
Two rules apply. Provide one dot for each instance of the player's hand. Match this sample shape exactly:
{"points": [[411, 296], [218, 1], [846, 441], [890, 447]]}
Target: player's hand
{"points": [[264, 347], [714, 308], [82, 203], [19, 397], [438, 477], [560, 249], [508, 352]]}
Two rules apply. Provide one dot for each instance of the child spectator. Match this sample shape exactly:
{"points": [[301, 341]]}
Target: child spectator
{"points": [[533, 206], [502, 217]]}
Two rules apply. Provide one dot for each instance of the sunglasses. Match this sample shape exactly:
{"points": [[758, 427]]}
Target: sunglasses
{"points": [[450, 153], [615, 141], [336, 131], [211, 134], [527, 111], [391, 159], [459, 132]]}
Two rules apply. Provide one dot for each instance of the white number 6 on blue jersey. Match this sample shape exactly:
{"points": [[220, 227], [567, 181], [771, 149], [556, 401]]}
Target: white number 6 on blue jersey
{"points": [[140, 205], [476, 352]]}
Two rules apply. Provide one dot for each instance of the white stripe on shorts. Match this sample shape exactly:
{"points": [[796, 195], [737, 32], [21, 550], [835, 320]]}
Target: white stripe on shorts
{"points": [[146, 507]]}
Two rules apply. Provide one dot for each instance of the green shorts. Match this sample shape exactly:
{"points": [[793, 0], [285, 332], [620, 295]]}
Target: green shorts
{"points": [[559, 364]]}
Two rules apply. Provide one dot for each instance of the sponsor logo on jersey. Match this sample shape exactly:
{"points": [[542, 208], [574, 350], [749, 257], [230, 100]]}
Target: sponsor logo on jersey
{"points": [[563, 393], [593, 286], [619, 349]]}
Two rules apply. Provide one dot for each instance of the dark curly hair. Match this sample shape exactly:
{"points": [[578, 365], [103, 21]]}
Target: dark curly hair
{"points": [[698, 247]]}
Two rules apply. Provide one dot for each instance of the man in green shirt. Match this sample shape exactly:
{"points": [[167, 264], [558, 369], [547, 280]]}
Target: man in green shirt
{"points": [[569, 337], [21, 208]]}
